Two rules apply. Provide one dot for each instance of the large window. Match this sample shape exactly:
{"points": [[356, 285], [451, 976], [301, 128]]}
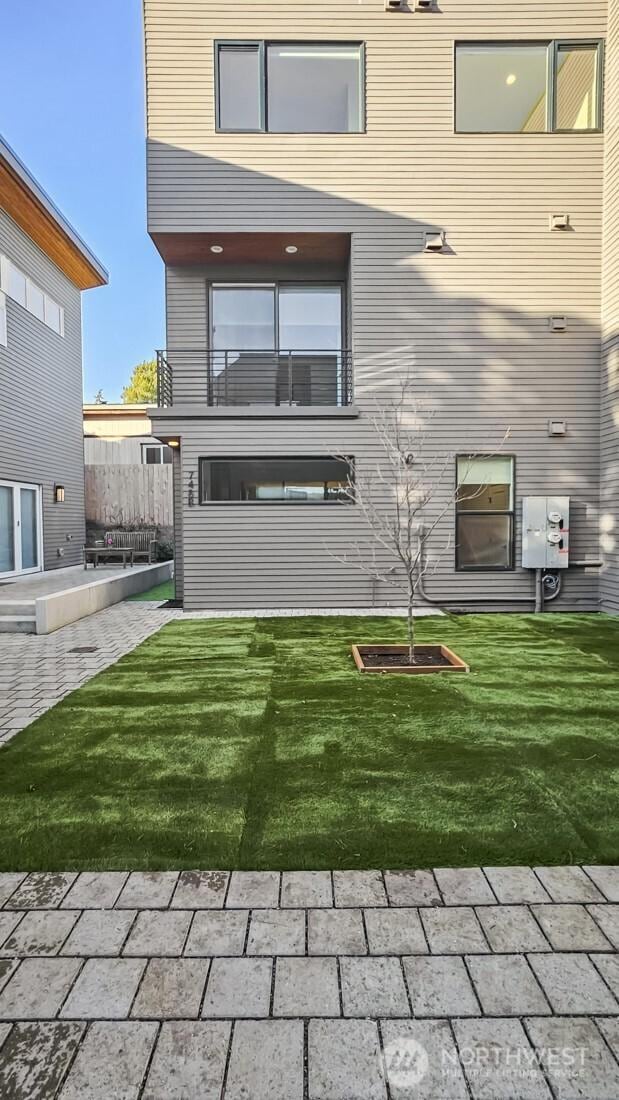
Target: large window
{"points": [[527, 87], [277, 343], [290, 87], [21, 289], [485, 513], [275, 480]]}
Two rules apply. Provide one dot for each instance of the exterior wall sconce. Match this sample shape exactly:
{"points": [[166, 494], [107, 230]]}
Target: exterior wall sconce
{"points": [[557, 427], [434, 240], [559, 222], [557, 324], [58, 494]]}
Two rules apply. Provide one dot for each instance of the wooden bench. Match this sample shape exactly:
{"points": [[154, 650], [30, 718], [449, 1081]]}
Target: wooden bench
{"points": [[143, 542]]}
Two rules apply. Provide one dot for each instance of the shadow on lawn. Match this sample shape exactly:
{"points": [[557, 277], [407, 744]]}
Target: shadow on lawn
{"points": [[257, 744]]}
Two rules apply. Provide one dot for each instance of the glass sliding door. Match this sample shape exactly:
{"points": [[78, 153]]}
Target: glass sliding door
{"points": [[20, 529], [29, 528], [7, 530], [310, 336], [276, 344], [243, 344]]}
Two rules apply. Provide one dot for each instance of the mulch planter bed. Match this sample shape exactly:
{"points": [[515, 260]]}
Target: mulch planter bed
{"points": [[394, 658]]}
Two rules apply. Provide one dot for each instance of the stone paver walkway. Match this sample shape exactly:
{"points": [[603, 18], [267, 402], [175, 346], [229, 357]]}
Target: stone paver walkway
{"points": [[492, 984], [37, 671]]}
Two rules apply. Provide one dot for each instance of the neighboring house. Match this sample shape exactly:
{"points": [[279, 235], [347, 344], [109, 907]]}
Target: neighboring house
{"points": [[44, 267], [120, 435], [341, 202], [128, 470]]}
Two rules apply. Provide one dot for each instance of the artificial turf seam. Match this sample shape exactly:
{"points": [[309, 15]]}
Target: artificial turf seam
{"points": [[255, 743]]}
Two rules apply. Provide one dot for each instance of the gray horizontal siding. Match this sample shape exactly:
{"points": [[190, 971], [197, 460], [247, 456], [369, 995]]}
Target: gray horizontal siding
{"points": [[41, 435], [260, 555], [471, 325]]}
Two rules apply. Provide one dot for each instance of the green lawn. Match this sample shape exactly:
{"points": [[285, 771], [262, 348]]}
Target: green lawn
{"points": [[256, 743], [164, 591]]}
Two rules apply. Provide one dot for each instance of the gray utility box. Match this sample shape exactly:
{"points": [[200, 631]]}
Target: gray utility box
{"points": [[546, 532]]}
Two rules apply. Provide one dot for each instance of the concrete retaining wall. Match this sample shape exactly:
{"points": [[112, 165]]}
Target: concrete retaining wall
{"points": [[60, 608]]}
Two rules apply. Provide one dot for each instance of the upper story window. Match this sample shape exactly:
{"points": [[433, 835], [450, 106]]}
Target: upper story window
{"points": [[290, 87], [528, 87], [21, 289]]}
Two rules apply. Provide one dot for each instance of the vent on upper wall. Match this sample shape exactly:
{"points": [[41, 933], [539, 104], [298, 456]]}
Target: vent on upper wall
{"points": [[558, 323], [434, 240], [560, 222]]}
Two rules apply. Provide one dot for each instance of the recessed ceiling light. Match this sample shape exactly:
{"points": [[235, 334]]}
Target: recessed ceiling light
{"points": [[217, 248], [291, 248], [511, 79]]}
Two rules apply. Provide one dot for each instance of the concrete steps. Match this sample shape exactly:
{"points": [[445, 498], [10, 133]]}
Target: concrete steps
{"points": [[17, 617]]}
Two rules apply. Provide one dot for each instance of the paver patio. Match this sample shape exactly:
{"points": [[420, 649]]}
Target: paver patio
{"points": [[210, 985]]}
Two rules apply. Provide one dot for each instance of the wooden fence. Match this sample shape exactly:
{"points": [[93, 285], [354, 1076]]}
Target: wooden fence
{"points": [[128, 496]]}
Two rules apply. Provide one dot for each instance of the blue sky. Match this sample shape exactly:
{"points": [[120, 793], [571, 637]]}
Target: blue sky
{"points": [[72, 108]]}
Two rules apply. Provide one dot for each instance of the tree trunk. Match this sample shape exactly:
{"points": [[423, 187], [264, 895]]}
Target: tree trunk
{"points": [[411, 632]]}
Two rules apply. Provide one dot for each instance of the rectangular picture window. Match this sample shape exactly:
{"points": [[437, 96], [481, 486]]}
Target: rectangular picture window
{"points": [[274, 480], [290, 87], [485, 512], [16, 285], [576, 94], [314, 88], [527, 87], [19, 288], [240, 87], [501, 88]]}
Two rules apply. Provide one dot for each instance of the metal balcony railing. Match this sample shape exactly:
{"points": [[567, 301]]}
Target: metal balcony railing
{"points": [[237, 378]]}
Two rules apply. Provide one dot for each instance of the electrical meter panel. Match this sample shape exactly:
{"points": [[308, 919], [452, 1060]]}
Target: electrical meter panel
{"points": [[545, 532]]}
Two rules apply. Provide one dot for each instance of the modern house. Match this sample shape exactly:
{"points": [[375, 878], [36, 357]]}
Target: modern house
{"points": [[44, 267], [347, 194]]}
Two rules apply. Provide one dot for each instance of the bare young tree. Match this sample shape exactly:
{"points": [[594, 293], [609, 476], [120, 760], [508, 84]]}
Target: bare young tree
{"points": [[404, 498]]}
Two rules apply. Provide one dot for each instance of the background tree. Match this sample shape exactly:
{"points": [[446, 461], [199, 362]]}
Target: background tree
{"points": [[142, 386], [404, 498]]}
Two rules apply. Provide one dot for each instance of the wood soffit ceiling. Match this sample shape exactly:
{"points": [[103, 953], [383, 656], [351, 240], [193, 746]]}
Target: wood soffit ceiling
{"points": [[32, 216], [253, 248]]}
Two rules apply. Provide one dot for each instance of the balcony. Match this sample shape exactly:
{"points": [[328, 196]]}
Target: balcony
{"points": [[254, 378]]}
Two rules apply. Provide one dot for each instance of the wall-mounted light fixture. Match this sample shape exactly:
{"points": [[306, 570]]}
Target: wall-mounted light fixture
{"points": [[434, 240], [58, 494], [559, 222], [558, 323]]}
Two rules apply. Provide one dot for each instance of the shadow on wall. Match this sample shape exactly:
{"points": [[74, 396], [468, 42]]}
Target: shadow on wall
{"points": [[470, 323]]}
